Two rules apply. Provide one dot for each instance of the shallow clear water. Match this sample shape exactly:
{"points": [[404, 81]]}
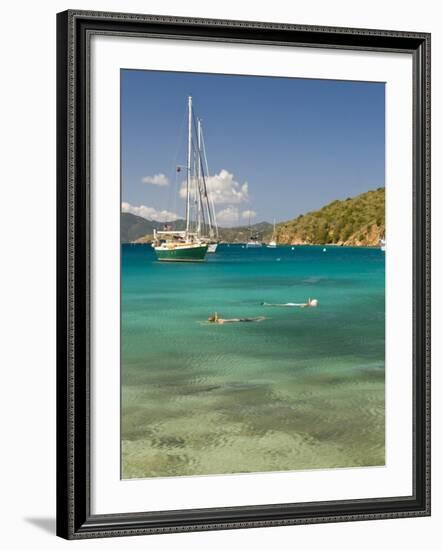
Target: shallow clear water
{"points": [[302, 389]]}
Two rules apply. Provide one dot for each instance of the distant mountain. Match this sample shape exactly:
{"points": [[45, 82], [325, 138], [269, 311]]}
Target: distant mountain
{"points": [[135, 228], [357, 221]]}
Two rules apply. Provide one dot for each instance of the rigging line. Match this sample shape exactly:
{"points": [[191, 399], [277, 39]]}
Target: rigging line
{"points": [[198, 199], [180, 133], [212, 203], [193, 193], [195, 127], [209, 201], [197, 160], [175, 194], [174, 164], [206, 194]]}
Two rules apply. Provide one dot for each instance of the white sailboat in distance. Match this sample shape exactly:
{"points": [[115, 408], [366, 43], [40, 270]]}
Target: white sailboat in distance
{"points": [[253, 241], [273, 243]]}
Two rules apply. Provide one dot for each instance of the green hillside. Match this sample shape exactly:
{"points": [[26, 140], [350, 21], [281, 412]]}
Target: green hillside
{"points": [[133, 228], [357, 221], [241, 234]]}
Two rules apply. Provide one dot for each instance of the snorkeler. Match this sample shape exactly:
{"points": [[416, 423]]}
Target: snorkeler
{"points": [[309, 303], [218, 320]]}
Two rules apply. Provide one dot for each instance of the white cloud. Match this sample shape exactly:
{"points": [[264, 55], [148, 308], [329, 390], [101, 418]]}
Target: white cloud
{"points": [[223, 188], [248, 214], [149, 213], [157, 179], [227, 216]]}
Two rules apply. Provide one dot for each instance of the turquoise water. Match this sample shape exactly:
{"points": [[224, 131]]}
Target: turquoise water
{"points": [[302, 389]]}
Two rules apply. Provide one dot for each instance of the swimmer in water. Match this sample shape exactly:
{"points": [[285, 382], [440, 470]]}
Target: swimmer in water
{"points": [[309, 303], [219, 321]]}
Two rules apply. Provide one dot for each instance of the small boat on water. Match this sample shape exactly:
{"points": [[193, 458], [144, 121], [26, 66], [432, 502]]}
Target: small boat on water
{"points": [[273, 243], [383, 244], [253, 241], [201, 233]]}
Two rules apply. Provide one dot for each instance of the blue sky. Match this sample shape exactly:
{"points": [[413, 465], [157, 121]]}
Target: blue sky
{"points": [[276, 147]]}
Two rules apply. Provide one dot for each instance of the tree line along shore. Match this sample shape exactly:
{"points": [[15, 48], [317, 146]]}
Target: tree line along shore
{"points": [[355, 221]]}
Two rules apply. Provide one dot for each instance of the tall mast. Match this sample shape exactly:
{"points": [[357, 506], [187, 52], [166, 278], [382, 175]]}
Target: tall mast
{"points": [[203, 176], [210, 197], [199, 178], [189, 161]]}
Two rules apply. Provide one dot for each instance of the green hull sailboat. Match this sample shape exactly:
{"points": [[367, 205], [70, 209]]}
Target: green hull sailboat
{"points": [[200, 236], [183, 253]]}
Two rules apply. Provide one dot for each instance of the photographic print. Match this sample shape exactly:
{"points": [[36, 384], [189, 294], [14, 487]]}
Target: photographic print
{"points": [[253, 251]]}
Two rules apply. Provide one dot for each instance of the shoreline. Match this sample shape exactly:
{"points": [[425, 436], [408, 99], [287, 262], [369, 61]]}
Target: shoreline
{"points": [[265, 245]]}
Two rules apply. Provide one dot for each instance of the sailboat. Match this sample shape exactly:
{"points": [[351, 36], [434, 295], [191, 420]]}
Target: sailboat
{"points": [[191, 244], [207, 229], [253, 241], [273, 243]]}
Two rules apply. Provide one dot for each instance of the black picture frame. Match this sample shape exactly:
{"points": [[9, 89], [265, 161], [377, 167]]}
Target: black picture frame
{"points": [[74, 518]]}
